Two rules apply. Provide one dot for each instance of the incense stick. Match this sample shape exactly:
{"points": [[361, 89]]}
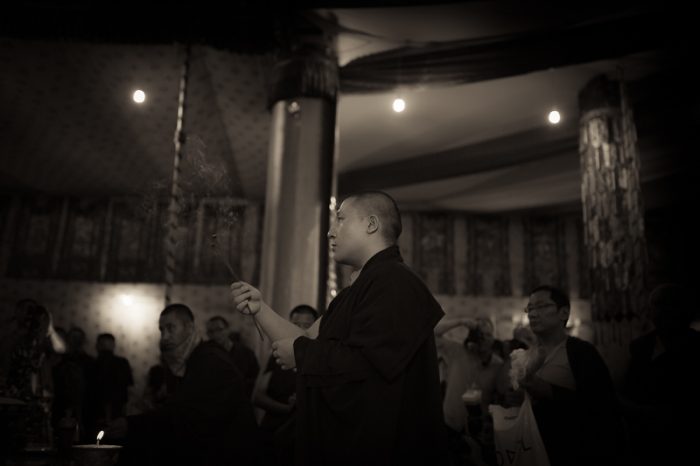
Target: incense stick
{"points": [[217, 252]]}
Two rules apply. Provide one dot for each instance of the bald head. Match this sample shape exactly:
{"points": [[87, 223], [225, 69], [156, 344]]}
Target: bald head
{"points": [[382, 206]]}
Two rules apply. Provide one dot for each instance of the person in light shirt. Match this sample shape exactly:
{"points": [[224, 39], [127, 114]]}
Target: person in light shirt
{"points": [[572, 394]]}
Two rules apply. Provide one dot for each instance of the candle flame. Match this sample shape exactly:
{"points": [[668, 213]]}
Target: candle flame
{"points": [[100, 435]]}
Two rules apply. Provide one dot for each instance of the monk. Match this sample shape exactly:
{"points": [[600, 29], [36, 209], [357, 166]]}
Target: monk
{"points": [[368, 390]]}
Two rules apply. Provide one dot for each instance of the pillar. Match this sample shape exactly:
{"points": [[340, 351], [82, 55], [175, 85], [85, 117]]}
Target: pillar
{"points": [[294, 264], [613, 215]]}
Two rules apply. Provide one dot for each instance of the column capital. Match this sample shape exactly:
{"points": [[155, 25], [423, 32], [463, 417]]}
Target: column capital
{"points": [[599, 93], [305, 63]]}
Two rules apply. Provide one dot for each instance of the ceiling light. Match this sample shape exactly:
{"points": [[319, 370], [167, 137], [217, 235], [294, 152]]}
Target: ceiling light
{"points": [[139, 96], [399, 105], [554, 117]]}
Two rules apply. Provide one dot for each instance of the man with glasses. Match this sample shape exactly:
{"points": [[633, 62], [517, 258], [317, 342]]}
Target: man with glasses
{"points": [[572, 394]]}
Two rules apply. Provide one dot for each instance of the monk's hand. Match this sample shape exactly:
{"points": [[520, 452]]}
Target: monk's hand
{"points": [[246, 298], [283, 351]]}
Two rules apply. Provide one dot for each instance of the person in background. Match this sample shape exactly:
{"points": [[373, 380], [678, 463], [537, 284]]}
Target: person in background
{"points": [[471, 364], [208, 420], [506, 395], [68, 387], [112, 379], [663, 381], [76, 356], [218, 331], [275, 392], [572, 393], [27, 337]]}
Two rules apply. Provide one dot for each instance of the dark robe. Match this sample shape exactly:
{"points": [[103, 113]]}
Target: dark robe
{"points": [[112, 379], [282, 385], [582, 426], [368, 390], [663, 389], [208, 420], [247, 364]]}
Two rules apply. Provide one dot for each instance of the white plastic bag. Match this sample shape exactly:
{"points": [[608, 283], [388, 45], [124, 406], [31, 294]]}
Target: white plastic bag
{"points": [[516, 436]]}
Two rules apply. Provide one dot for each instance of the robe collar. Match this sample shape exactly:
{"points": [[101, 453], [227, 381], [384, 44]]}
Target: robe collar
{"points": [[390, 254]]}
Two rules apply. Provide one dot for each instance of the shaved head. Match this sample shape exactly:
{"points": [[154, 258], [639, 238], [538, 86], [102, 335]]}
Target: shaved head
{"points": [[383, 206]]}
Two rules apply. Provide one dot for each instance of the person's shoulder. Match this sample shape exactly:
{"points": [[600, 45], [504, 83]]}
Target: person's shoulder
{"points": [[212, 358], [398, 273], [583, 355], [578, 346], [123, 361], [208, 350], [643, 344]]}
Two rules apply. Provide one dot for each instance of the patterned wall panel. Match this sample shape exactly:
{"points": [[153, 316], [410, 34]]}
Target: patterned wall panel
{"points": [[83, 240], [35, 238], [488, 261], [433, 255], [134, 244], [545, 253], [122, 240]]}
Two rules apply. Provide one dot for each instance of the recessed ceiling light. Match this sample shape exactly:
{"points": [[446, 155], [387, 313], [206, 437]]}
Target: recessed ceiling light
{"points": [[139, 96], [399, 105], [554, 117]]}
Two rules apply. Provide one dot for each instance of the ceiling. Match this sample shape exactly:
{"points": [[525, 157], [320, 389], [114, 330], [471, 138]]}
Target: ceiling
{"points": [[68, 125]]}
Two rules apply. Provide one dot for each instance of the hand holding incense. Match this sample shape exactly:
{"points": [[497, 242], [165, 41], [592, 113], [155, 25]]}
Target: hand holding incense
{"points": [[217, 252]]}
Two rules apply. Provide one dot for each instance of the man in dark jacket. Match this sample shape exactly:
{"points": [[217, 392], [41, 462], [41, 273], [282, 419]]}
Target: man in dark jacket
{"points": [[573, 397], [663, 381], [218, 331], [208, 420], [112, 379]]}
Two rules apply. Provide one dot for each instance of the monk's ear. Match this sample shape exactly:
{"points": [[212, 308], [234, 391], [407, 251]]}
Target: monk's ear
{"points": [[372, 224]]}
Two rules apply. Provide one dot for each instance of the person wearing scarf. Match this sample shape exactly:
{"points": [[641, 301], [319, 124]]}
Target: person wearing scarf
{"points": [[208, 419]]}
